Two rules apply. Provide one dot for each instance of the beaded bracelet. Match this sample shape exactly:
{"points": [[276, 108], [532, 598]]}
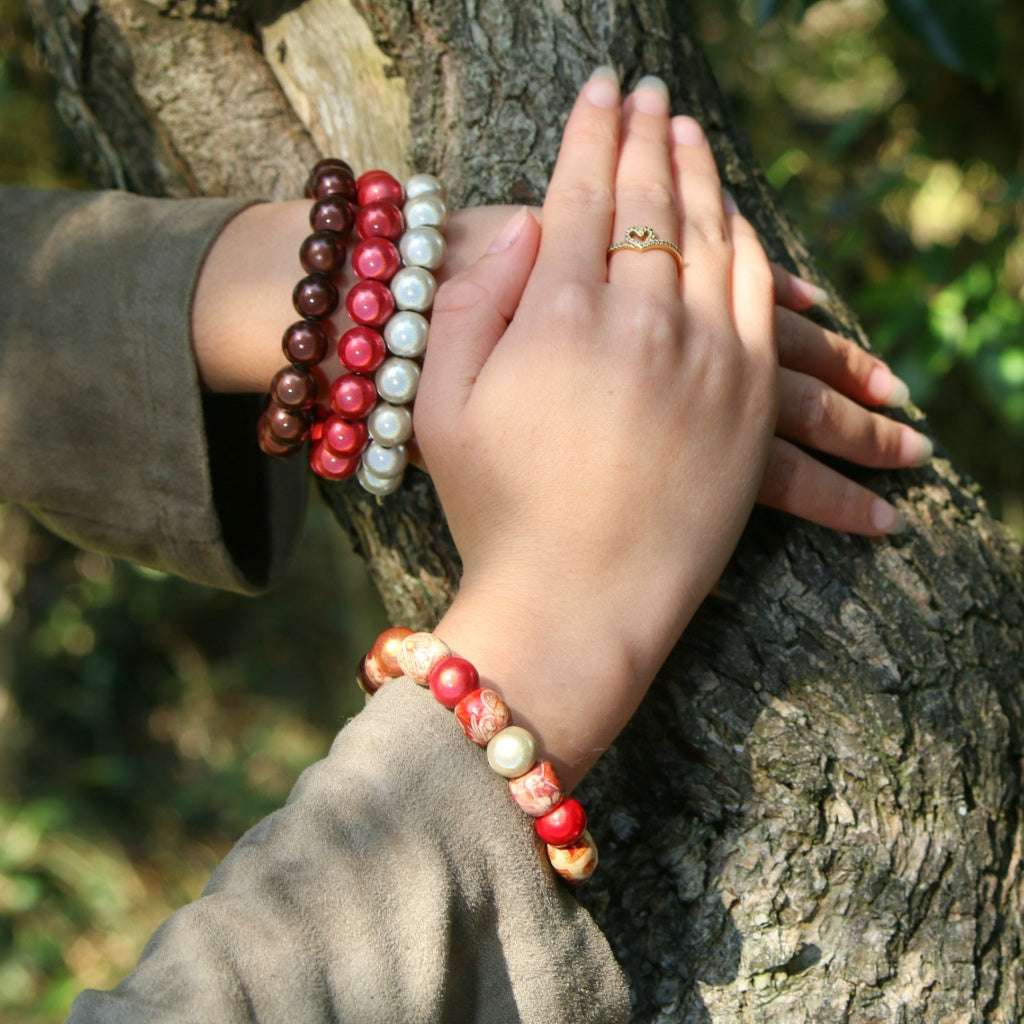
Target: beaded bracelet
{"points": [[558, 820]]}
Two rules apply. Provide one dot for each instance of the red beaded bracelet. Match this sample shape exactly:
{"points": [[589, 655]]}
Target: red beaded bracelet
{"points": [[486, 720]]}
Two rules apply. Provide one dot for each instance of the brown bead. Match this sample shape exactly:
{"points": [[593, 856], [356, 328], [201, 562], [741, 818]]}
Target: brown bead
{"points": [[269, 444], [305, 343], [315, 296], [322, 252], [386, 647], [320, 165], [334, 214], [334, 181], [293, 388], [287, 425]]}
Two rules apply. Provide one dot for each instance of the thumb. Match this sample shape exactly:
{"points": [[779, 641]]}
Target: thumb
{"points": [[472, 311]]}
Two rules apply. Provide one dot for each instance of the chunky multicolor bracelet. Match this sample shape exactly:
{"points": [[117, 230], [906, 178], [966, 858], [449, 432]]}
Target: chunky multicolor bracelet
{"points": [[486, 720], [369, 421]]}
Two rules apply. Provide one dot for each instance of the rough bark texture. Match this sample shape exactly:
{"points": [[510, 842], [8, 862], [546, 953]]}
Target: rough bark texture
{"points": [[816, 814]]}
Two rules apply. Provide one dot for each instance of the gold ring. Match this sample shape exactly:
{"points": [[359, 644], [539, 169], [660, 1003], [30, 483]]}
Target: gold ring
{"points": [[643, 238]]}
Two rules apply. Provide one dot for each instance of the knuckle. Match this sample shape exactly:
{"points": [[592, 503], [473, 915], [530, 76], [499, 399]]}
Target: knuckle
{"points": [[817, 408], [592, 129], [710, 229], [460, 294], [583, 196], [658, 195]]}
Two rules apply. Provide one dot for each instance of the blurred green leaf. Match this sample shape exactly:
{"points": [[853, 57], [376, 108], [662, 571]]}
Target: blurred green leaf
{"points": [[962, 34]]}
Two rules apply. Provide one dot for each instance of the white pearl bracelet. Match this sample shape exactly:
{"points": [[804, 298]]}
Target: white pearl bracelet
{"points": [[422, 247]]}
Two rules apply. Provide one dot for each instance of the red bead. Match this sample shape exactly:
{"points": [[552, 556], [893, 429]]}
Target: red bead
{"points": [[325, 463], [353, 396], [378, 187], [385, 650], [482, 715], [315, 296], [371, 675], [333, 181], [538, 791], [370, 303], [293, 388], [322, 252], [362, 349], [345, 437], [305, 343], [379, 220], [334, 214], [451, 679], [564, 825], [376, 258], [269, 444]]}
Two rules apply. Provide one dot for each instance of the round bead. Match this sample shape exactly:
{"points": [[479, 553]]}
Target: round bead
{"points": [[361, 349], [379, 220], [293, 388], [269, 444], [315, 296], [332, 161], [378, 187], [379, 485], [325, 463], [286, 425], [345, 437], [353, 396], [386, 647], [482, 715], [406, 333], [414, 288], [376, 258], [370, 303], [428, 210], [451, 679], [383, 461], [333, 214], [512, 751], [390, 425], [322, 252], [422, 184], [397, 380], [372, 674], [419, 653], [563, 825], [538, 791], [423, 247], [304, 343], [575, 863], [333, 180]]}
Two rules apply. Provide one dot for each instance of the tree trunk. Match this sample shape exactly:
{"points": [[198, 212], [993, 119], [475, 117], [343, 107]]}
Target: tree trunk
{"points": [[816, 814]]}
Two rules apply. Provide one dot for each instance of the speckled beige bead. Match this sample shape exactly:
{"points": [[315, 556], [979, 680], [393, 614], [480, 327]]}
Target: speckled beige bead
{"points": [[512, 752], [575, 863], [419, 653]]}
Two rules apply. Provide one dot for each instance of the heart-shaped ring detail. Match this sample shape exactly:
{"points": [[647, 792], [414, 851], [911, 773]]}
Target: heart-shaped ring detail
{"points": [[643, 238]]}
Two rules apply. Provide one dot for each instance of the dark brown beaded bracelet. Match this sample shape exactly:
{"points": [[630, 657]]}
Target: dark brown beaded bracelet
{"points": [[285, 422]]}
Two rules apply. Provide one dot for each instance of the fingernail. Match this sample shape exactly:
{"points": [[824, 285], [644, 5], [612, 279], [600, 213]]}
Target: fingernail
{"points": [[686, 131], [886, 518], [602, 88], [915, 448], [728, 202], [651, 96], [513, 228], [885, 387], [807, 292]]}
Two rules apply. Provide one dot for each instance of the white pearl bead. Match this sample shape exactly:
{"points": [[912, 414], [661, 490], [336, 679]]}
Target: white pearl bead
{"points": [[380, 485], [406, 333], [422, 247], [512, 752], [413, 288], [421, 185], [397, 380], [427, 210], [389, 425], [383, 461]]}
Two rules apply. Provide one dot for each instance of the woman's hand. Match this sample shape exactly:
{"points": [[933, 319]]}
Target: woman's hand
{"points": [[598, 430]]}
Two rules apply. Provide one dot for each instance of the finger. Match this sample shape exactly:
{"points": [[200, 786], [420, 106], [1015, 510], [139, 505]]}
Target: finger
{"points": [[813, 414], [579, 203], [794, 292], [705, 236], [645, 191], [796, 483], [752, 290], [837, 361], [472, 311]]}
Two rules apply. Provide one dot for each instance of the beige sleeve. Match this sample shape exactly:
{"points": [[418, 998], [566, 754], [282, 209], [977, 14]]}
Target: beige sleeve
{"points": [[399, 885], [105, 433]]}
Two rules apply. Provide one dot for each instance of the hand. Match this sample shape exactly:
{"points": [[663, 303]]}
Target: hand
{"points": [[597, 431]]}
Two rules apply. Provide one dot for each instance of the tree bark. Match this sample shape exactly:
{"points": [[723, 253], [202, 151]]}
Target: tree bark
{"points": [[816, 814]]}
